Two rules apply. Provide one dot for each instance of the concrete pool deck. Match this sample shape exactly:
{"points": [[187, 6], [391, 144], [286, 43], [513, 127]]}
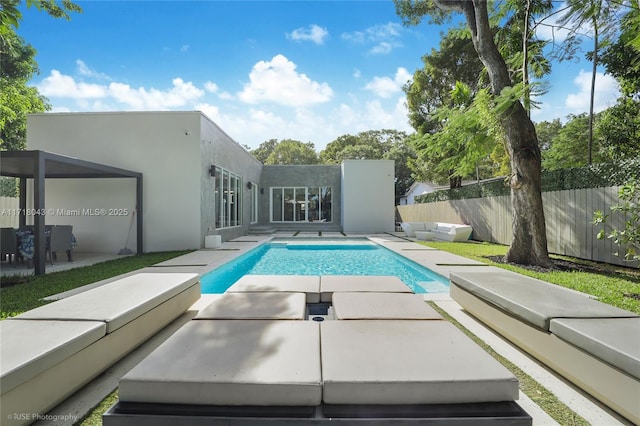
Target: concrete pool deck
{"points": [[443, 263]]}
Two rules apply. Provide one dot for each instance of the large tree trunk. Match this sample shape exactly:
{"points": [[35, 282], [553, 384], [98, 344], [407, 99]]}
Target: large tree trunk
{"points": [[529, 243]]}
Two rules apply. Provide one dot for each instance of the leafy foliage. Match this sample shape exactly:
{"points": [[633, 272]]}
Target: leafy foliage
{"points": [[621, 58], [570, 147], [628, 237], [375, 145], [618, 128], [18, 67], [591, 176], [290, 151], [16, 98]]}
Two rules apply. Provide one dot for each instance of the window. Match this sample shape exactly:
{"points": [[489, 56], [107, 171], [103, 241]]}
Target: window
{"points": [[228, 198], [301, 204], [254, 202]]}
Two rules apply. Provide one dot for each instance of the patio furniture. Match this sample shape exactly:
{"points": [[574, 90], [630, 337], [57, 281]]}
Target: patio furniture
{"points": [[79, 337], [8, 244], [60, 239], [437, 230], [424, 235], [594, 345], [410, 228]]}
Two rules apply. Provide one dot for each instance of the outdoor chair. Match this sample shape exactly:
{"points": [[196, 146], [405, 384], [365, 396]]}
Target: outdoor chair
{"points": [[60, 240], [9, 243]]}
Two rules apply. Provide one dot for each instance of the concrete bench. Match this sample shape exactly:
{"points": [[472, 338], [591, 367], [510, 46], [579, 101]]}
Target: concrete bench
{"points": [[50, 352], [594, 345]]}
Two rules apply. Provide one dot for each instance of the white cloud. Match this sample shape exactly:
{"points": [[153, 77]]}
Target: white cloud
{"points": [[182, 93], [313, 33], [64, 86], [184, 48], [84, 70], [58, 85], [211, 87], [607, 91], [385, 87], [277, 81], [384, 37]]}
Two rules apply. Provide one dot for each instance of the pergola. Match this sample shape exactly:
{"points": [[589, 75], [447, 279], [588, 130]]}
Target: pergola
{"points": [[40, 165]]}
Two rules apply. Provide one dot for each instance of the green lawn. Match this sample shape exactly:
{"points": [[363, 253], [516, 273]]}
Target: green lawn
{"points": [[28, 295], [608, 283]]}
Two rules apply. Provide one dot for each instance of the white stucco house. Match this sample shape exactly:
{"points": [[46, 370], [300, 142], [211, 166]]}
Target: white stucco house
{"points": [[417, 188], [197, 181]]}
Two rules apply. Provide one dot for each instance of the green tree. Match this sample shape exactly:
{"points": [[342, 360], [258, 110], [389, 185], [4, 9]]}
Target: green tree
{"points": [[430, 89], [621, 58], [289, 151], [520, 47], [618, 128], [569, 147], [529, 241], [17, 67], [547, 131], [265, 149], [601, 16], [17, 99], [10, 15], [375, 145]]}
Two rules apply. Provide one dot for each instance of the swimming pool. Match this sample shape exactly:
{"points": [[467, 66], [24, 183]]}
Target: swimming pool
{"points": [[306, 257]]}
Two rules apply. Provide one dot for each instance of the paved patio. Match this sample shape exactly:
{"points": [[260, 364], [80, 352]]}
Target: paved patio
{"points": [[443, 263], [79, 260]]}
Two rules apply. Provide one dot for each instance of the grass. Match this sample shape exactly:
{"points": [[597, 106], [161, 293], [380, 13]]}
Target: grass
{"points": [[610, 284], [29, 293]]}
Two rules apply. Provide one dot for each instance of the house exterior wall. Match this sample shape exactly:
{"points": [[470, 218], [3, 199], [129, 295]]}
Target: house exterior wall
{"points": [[368, 196], [417, 188], [163, 146], [219, 149], [175, 151], [300, 176]]}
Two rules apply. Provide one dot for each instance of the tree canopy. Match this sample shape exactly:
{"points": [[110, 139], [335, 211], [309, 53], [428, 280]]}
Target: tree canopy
{"points": [[17, 99], [18, 66], [286, 151]]}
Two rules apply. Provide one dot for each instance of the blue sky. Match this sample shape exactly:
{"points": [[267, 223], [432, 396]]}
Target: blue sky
{"points": [[310, 71]]}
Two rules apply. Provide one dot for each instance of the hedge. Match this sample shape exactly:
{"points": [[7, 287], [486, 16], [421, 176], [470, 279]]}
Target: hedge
{"points": [[592, 176]]}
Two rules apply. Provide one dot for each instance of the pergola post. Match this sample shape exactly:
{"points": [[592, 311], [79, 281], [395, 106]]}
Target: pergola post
{"points": [[39, 173], [139, 212], [22, 219]]}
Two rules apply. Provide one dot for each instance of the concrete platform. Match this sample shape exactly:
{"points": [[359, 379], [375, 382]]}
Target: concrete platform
{"points": [[308, 284], [253, 363], [256, 306], [330, 284], [408, 362], [371, 306]]}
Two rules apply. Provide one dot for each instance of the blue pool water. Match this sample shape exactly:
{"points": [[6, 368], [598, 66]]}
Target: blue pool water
{"points": [[322, 258]]}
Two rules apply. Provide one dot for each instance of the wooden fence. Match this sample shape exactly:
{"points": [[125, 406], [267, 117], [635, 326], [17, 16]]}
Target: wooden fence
{"points": [[568, 216]]}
